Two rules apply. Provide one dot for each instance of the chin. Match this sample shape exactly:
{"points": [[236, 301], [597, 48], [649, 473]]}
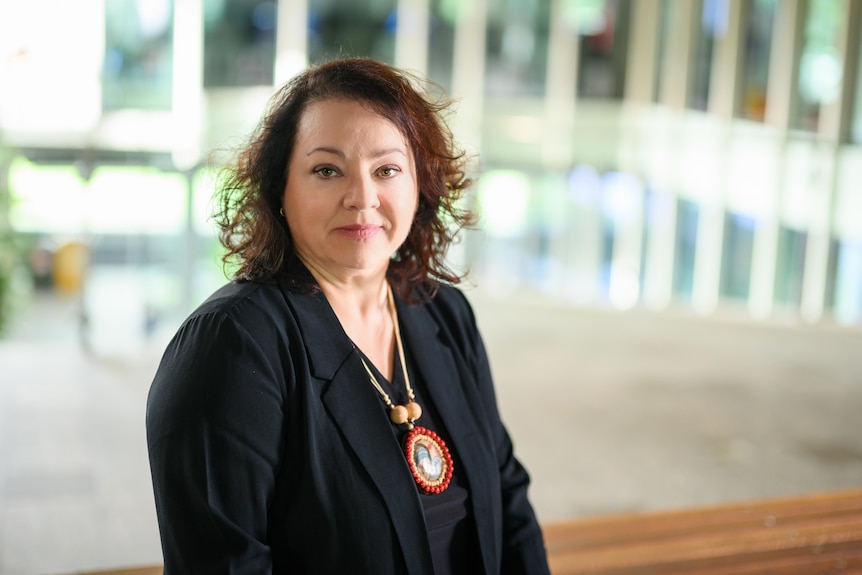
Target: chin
{"points": [[369, 259]]}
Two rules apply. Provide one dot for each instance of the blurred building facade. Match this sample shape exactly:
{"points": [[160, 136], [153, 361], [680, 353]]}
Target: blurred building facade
{"points": [[703, 154]]}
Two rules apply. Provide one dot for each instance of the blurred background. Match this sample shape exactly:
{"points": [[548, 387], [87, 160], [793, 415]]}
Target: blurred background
{"points": [[668, 268]]}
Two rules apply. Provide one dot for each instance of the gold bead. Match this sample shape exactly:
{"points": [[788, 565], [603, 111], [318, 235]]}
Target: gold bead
{"points": [[398, 414], [414, 411]]}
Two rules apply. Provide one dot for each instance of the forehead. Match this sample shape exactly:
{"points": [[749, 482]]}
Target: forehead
{"points": [[344, 118]]}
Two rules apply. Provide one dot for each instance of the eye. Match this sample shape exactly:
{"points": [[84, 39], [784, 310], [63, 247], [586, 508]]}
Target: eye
{"points": [[388, 171], [325, 171]]}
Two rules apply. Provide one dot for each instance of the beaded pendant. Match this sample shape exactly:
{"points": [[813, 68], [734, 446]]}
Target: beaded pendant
{"points": [[429, 460]]}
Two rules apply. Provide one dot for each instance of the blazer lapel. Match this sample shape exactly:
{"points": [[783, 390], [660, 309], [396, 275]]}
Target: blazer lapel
{"points": [[446, 387], [354, 406]]}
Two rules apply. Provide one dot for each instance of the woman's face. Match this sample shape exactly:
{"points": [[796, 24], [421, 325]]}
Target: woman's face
{"points": [[351, 190]]}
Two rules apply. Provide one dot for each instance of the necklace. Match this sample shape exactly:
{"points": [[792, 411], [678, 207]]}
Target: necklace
{"points": [[427, 456]]}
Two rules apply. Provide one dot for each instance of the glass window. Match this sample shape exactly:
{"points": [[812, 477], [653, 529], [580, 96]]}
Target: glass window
{"points": [[548, 228], [661, 48], [848, 284], [503, 205], [586, 235], [686, 244], [856, 126], [138, 64], [45, 198], [755, 60], [441, 40], [608, 231], [736, 255], [603, 43], [622, 205], [348, 28], [790, 266], [239, 42], [713, 24], [516, 47], [55, 199], [658, 221], [820, 63], [831, 272]]}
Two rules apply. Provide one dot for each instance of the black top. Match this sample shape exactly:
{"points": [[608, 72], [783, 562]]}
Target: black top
{"points": [[451, 530]]}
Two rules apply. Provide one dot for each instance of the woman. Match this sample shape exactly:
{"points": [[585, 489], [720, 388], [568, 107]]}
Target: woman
{"points": [[331, 410]]}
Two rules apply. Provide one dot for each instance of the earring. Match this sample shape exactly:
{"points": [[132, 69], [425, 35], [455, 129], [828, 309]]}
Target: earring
{"points": [[281, 211]]}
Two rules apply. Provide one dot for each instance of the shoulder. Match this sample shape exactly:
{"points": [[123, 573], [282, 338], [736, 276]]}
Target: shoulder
{"points": [[254, 307], [238, 318], [223, 361], [453, 314], [237, 333], [452, 301], [449, 305], [240, 298]]}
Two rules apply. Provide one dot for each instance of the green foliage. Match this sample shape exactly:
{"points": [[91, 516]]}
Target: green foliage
{"points": [[11, 261]]}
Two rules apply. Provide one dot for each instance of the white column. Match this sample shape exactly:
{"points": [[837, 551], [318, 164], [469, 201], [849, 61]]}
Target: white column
{"points": [[411, 36], [722, 98], [291, 40], [661, 249], [624, 288], [679, 54], [764, 254], [583, 236], [188, 113], [820, 194], [727, 64], [835, 117], [468, 72], [708, 250], [783, 55], [187, 97], [725, 71], [642, 50], [560, 89], [838, 118], [786, 42], [660, 220]]}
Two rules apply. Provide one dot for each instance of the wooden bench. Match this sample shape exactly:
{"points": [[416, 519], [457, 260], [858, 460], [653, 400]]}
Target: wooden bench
{"points": [[149, 570], [816, 534]]}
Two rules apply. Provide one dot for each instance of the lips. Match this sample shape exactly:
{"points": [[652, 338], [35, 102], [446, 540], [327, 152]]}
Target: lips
{"points": [[358, 232]]}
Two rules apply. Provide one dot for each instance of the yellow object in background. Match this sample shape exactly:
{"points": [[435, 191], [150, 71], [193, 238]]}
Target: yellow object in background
{"points": [[70, 265]]}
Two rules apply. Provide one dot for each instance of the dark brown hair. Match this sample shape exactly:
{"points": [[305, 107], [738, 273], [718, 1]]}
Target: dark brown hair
{"points": [[249, 196]]}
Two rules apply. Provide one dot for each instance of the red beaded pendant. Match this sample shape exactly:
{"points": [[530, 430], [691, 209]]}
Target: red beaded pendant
{"points": [[429, 460]]}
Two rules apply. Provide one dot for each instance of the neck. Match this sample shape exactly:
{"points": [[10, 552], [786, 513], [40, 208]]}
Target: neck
{"points": [[366, 303], [353, 293], [362, 307]]}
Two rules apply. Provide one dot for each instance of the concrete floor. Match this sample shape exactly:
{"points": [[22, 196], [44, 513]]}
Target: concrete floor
{"points": [[611, 412]]}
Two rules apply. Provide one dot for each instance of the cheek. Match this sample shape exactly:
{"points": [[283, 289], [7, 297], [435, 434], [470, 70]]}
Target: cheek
{"points": [[413, 200], [420, 207], [297, 214], [408, 209], [301, 206]]}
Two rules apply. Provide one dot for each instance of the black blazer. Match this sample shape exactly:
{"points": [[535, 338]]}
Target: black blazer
{"points": [[270, 453]]}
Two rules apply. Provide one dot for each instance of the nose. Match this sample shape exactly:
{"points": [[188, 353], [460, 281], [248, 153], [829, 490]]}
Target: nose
{"points": [[361, 193]]}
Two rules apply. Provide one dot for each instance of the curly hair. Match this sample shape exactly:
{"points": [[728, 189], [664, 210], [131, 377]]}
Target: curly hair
{"points": [[250, 189]]}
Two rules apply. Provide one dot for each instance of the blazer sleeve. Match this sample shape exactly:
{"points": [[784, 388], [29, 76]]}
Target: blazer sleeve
{"points": [[523, 551], [214, 422]]}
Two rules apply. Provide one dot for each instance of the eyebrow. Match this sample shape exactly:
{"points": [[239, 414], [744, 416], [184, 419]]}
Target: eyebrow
{"points": [[340, 154]]}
